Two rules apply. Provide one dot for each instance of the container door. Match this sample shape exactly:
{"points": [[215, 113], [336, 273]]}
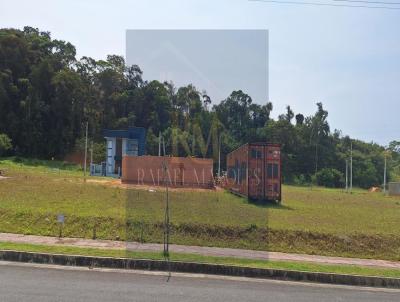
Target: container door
{"points": [[256, 177], [237, 179], [273, 173]]}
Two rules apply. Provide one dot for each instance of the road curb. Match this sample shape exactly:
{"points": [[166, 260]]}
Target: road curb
{"points": [[200, 268]]}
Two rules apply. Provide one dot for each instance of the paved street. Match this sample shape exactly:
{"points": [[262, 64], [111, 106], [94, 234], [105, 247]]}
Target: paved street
{"points": [[34, 283]]}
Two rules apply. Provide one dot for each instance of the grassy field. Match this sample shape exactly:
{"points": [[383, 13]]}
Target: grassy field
{"points": [[313, 221], [285, 265]]}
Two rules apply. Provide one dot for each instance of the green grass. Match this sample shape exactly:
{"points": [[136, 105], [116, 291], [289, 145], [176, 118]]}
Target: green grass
{"points": [[285, 265], [314, 221], [23, 164]]}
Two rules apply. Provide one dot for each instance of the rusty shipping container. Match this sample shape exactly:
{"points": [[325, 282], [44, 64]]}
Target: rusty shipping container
{"points": [[181, 171], [254, 171]]}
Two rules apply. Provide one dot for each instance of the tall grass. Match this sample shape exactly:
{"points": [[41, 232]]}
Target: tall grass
{"points": [[317, 220]]}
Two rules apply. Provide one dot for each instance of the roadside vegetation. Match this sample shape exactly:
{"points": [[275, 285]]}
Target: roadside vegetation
{"points": [[284, 265], [311, 220]]}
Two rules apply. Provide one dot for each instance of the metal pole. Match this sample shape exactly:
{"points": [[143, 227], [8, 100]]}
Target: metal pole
{"points": [[384, 177], [159, 143], [347, 176], [84, 164], [163, 145], [166, 215], [193, 145], [316, 159], [167, 221], [91, 153], [91, 157], [351, 167], [219, 156]]}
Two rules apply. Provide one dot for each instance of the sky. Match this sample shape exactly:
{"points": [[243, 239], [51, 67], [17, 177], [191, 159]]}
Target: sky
{"points": [[346, 58], [216, 61]]}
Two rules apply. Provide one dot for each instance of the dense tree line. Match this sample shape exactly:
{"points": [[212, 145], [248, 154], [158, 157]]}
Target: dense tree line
{"points": [[47, 96]]}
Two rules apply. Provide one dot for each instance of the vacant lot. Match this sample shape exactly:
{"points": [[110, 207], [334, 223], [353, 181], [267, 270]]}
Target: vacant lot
{"points": [[314, 220]]}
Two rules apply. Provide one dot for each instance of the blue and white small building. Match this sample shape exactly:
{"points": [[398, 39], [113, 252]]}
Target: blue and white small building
{"points": [[120, 143]]}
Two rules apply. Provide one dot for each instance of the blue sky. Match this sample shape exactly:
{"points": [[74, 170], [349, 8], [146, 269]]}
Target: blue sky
{"points": [[347, 58]]}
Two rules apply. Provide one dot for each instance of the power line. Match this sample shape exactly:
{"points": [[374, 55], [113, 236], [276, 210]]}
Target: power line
{"points": [[326, 4], [334, 5], [369, 2]]}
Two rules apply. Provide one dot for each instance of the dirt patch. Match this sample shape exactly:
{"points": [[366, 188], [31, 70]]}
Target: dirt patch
{"points": [[119, 184], [374, 189], [3, 177], [101, 181]]}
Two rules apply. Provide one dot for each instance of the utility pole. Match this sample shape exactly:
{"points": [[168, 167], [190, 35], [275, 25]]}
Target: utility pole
{"points": [[384, 175], [316, 158], [351, 167], [166, 214], [91, 156], [347, 175], [163, 142], [193, 145], [159, 143], [219, 156], [84, 164]]}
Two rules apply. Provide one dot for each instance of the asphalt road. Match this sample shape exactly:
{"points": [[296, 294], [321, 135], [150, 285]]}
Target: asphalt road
{"points": [[24, 282]]}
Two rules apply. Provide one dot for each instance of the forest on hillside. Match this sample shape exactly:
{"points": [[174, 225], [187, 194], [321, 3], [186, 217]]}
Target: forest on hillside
{"points": [[47, 96]]}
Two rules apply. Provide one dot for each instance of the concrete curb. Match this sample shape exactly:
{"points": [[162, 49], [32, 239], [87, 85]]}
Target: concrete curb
{"points": [[200, 268]]}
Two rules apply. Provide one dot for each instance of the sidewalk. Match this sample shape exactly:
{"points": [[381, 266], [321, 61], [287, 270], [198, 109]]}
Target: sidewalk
{"points": [[205, 251]]}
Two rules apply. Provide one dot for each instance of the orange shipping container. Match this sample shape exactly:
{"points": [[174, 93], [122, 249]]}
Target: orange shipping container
{"points": [[181, 171], [254, 171]]}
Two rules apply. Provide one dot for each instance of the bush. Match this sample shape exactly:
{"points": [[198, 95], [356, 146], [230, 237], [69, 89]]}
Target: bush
{"points": [[331, 178], [301, 180], [5, 144], [366, 175], [99, 149]]}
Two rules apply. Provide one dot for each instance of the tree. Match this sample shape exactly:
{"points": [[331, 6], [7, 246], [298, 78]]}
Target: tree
{"points": [[47, 96], [206, 100], [288, 116], [299, 119], [319, 129], [330, 178], [394, 146], [234, 113], [5, 144]]}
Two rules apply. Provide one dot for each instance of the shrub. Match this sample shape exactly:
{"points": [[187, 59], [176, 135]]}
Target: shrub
{"points": [[99, 149], [301, 180], [329, 178], [5, 144]]}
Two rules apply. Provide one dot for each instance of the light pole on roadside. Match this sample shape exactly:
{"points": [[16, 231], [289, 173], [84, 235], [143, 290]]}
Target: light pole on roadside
{"points": [[159, 143], [219, 156], [351, 167], [86, 138], [347, 175], [384, 173], [166, 213]]}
